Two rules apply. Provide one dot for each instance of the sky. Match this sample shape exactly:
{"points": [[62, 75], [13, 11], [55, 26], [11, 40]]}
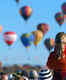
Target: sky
{"points": [[43, 11]]}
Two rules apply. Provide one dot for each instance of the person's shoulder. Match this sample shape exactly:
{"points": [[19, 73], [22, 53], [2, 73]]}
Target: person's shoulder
{"points": [[52, 54]]}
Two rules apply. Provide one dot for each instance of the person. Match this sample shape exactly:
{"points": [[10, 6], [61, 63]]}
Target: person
{"points": [[4, 76], [33, 75], [45, 74], [57, 58]]}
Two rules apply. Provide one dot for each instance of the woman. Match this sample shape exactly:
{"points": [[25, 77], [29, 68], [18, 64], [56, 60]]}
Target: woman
{"points": [[57, 59]]}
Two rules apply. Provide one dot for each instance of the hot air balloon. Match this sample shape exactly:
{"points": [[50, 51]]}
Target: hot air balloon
{"points": [[10, 37], [0, 29], [38, 37], [64, 9], [17, 1], [45, 74], [27, 39], [59, 18], [49, 43], [25, 12], [43, 27]]}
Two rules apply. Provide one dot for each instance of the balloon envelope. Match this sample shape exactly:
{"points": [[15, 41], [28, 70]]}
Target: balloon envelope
{"points": [[1, 29], [17, 1], [64, 9], [49, 43], [10, 37], [25, 12], [43, 27], [59, 18], [27, 39], [38, 37]]}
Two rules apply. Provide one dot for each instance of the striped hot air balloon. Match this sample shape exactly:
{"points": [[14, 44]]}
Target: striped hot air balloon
{"points": [[25, 12], [10, 37], [45, 74]]}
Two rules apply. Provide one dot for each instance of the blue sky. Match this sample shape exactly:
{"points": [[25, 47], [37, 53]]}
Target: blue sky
{"points": [[10, 19]]}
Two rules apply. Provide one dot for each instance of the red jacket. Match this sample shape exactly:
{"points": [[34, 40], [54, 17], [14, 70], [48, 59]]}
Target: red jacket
{"points": [[57, 65]]}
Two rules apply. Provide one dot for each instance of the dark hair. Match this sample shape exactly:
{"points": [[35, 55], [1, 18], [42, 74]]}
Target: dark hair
{"points": [[58, 37], [58, 40]]}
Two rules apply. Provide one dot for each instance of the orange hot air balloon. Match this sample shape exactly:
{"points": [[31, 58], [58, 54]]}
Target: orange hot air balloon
{"points": [[0, 29], [38, 37]]}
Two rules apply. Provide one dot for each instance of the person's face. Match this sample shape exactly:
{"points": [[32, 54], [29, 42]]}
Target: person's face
{"points": [[63, 42]]}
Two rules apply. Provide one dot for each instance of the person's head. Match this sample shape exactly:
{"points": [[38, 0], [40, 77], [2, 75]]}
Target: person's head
{"points": [[58, 37], [60, 43], [45, 74]]}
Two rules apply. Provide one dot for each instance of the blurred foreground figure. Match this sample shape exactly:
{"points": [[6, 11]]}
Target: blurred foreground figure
{"points": [[33, 75], [45, 74], [57, 59], [4, 76]]}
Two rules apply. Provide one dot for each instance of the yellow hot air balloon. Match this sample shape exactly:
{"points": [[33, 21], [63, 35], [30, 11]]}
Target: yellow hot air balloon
{"points": [[38, 37], [0, 28]]}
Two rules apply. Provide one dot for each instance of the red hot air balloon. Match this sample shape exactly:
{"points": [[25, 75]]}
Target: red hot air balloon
{"points": [[25, 12], [10, 37]]}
